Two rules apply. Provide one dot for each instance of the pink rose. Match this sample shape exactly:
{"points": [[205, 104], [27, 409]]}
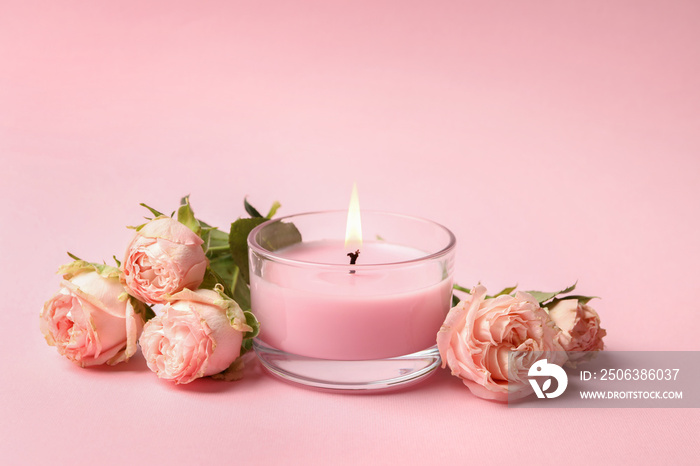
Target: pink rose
{"points": [[196, 335], [580, 326], [92, 320], [163, 258], [478, 336]]}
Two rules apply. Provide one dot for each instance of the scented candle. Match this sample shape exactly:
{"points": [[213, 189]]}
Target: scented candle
{"points": [[365, 325]]}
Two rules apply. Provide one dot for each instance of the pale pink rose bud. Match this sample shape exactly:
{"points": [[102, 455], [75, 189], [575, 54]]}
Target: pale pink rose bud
{"points": [[580, 327], [197, 335], [163, 258], [92, 320], [479, 334]]}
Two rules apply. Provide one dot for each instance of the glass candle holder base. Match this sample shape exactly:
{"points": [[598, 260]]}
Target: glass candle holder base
{"points": [[356, 376]]}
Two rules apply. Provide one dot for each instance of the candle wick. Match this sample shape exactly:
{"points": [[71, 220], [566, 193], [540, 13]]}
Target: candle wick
{"points": [[353, 258]]}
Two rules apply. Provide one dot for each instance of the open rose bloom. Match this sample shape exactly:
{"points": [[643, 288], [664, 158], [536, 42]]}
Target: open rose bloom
{"points": [[91, 320], [163, 258], [479, 335], [198, 334]]}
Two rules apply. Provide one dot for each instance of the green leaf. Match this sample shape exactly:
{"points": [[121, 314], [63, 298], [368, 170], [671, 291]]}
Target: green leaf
{"points": [[508, 290], [215, 242], [542, 297], [246, 345], [73, 256], [153, 211], [144, 309], [136, 227], [224, 266], [119, 264], [212, 279], [79, 266], [455, 300], [238, 242], [580, 298], [241, 290], [185, 215], [217, 237], [280, 235], [254, 324], [230, 275], [273, 210], [252, 211]]}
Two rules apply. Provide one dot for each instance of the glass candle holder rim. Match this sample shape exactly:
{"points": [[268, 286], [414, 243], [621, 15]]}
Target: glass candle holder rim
{"points": [[270, 255]]}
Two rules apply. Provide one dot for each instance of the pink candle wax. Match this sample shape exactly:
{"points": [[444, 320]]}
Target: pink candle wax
{"points": [[323, 311]]}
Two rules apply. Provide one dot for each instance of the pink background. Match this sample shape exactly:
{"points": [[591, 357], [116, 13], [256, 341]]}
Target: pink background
{"points": [[559, 140]]}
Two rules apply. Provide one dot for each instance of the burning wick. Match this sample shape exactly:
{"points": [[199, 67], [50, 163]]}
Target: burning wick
{"points": [[353, 258]]}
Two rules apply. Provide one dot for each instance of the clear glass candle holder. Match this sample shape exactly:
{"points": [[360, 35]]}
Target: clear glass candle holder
{"points": [[330, 324]]}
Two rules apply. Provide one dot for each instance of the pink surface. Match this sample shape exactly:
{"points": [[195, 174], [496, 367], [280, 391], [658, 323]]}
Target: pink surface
{"points": [[559, 140]]}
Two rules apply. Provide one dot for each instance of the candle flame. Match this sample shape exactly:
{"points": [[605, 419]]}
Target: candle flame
{"points": [[353, 229]]}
